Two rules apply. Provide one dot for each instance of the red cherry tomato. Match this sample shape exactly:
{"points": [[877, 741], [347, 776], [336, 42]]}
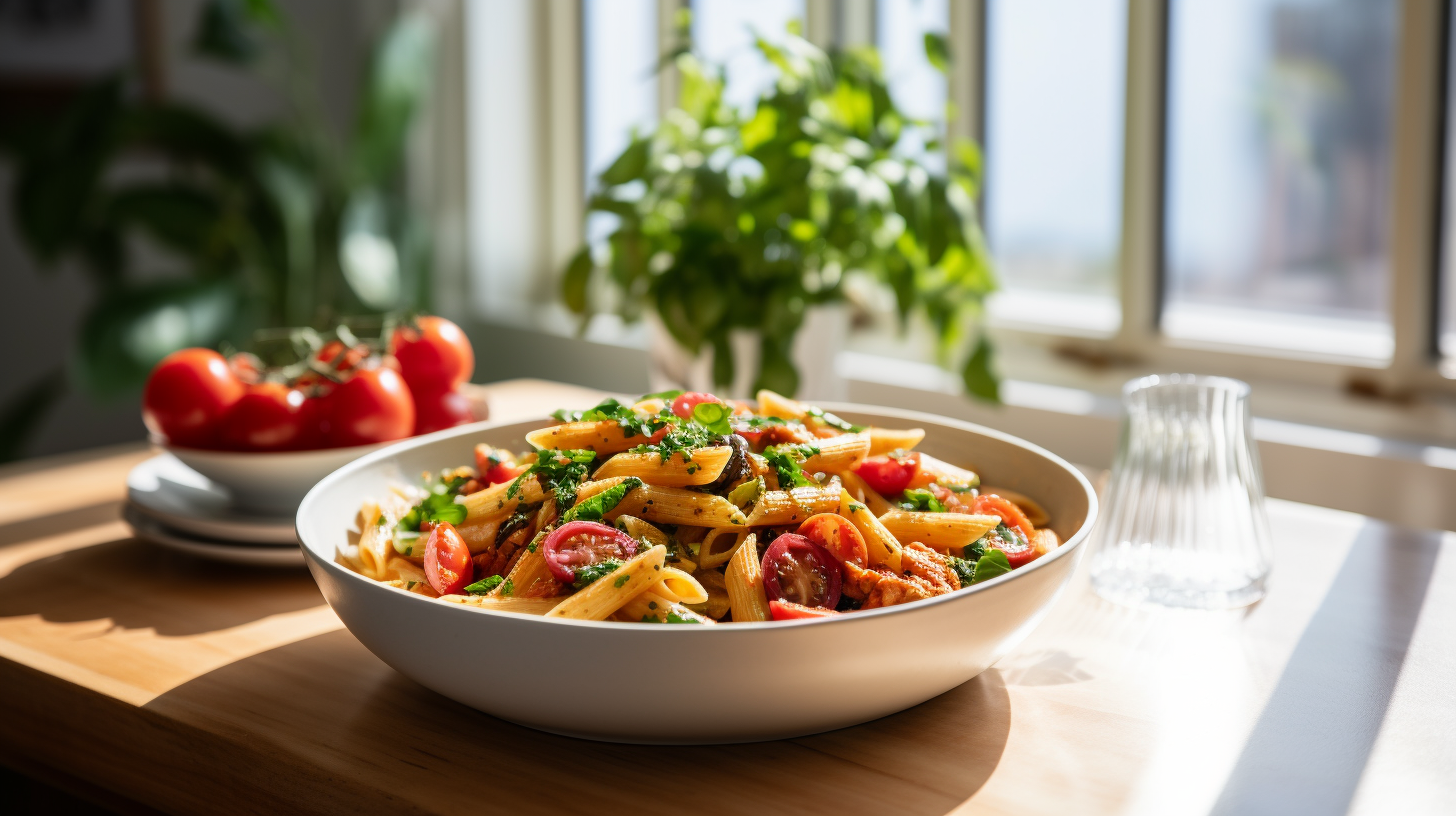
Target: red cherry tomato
{"points": [[187, 395], [990, 504], [582, 543], [684, 404], [434, 354], [246, 367], [1018, 550], [448, 567], [373, 405], [342, 358], [798, 570], [836, 534], [495, 465], [268, 417], [503, 472], [788, 610], [438, 410], [888, 475]]}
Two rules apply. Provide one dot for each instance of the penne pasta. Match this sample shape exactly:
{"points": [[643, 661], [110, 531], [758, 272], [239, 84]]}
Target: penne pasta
{"points": [[375, 547], [652, 605], [887, 440], [672, 505], [709, 556], [837, 453], [494, 503], [604, 596], [479, 534], [704, 467], [604, 437], [778, 405], [778, 507], [744, 582], [943, 473], [860, 491], [522, 606], [941, 531], [403, 569], [681, 587], [884, 548], [530, 569], [1035, 513]]}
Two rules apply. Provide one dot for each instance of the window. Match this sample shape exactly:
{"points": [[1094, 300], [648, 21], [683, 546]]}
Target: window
{"points": [[619, 85], [723, 30], [1446, 287], [1053, 151], [918, 87], [1278, 174]]}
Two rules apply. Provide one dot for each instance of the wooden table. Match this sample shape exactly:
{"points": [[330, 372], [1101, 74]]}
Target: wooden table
{"points": [[152, 681]]}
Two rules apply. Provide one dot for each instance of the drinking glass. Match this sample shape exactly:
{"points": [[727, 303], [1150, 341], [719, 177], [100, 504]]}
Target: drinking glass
{"points": [[1184, 523]]}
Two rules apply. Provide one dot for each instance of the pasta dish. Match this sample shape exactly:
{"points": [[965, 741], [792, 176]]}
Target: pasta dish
{"points": [[683, 508]]}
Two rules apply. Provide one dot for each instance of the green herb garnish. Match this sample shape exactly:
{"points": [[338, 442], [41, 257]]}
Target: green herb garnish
{"points": [[990, 565], [485, 585], [437, 507], [713, 416], [672, 617], [964, 569], [610, 410], [594, 508], [559, 470], [786, 460], [621, 581], [832, 421], [591, 572], [922, 500], [508, 587], [746, 493], [663, 395]]}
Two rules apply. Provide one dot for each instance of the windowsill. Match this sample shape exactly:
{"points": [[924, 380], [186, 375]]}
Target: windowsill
{"points": [[1303, 337]]}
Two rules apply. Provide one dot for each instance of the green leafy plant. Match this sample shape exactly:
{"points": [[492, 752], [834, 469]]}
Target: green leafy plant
{"points": [[731, 219], [283, 225]]}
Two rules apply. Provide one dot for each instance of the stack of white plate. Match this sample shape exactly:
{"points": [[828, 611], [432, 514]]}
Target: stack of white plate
{"points": [[174, 506]]}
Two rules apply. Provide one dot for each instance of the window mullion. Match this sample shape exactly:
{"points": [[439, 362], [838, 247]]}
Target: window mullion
{"points": [[667, 76], [1415, 187], [966, 84], [1140, 253], [565, 134]]}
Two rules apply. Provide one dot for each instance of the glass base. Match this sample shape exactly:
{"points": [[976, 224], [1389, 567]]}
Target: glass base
{"points": [[1136, 588]]}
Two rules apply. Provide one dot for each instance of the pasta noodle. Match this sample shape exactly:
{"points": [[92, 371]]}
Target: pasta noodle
{"points": [[704, 467], [653, 513]]}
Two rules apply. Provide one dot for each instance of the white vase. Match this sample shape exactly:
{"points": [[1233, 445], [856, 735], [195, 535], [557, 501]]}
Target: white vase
{"points": [[819, 339]]}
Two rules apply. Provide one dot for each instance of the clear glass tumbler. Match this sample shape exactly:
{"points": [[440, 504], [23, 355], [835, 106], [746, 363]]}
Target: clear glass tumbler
{"points": [[1183, 522]]}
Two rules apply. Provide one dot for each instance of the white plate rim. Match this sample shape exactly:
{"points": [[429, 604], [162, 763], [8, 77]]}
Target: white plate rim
{"points": [[151, 531], [237, 528]]}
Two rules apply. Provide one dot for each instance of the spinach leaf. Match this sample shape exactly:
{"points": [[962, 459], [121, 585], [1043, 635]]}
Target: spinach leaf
{"points": [[594, 508], [485, 585], [990, 565], [663, 395], [559, 470], [591, 572], [786, 460], [713, 416], [965, 570], [922, 500]]}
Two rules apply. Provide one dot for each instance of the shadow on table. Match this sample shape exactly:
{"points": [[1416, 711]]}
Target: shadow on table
{"points": [[1309, 748], [336, 713], [140, 586], [51, 524]]}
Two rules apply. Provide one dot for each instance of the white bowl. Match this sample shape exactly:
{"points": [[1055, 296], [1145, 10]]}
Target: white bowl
{"points": [[686, 684], [269, 483]]}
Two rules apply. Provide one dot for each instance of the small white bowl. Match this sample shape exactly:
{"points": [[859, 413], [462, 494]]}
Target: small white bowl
{"points": [[683, 684], [270, 483]]}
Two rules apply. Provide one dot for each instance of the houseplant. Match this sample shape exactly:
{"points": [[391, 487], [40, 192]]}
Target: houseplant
{"points": [[733, 220], [288, 224]]}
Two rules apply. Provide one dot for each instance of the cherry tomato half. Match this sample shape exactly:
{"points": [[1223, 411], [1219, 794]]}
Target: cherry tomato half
{"points": [[990, 504], [684, 404], [268, 417], [888, 475], [448, 567], [373, 405], [788, 610], [580, 544], [798, 570], [836, 534], [434, 355], [187, 395], [438, 410]]}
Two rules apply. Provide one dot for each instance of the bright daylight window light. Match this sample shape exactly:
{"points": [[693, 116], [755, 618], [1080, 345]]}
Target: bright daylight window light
{"points": [[723, 32], [1447, 322], [1054, 147], [1278, 174], [619, 62], [918, 88]]}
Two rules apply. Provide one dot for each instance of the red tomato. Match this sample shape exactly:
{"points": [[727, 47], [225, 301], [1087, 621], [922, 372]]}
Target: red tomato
{"points": [[448, 567], [888, 475], [334, 354], [990, 504], [438, 410], [246, 367], [684, 404], [798, 570], [580, 544], [495, 465], [503, 472], [187, 396], [373, 405], [434, 354], [268, 417], [787, 610], [836, 534]]}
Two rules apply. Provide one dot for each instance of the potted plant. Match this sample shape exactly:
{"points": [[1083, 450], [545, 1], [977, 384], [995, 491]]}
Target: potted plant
{"points": [[733, 226]]}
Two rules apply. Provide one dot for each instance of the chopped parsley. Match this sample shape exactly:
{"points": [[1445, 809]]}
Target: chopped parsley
{"points": [[621, 580], [786, 460], [437, 507], [681, 438], [832, 421], [610, 410], [591, 572], [508, 587], [485, 585], [922, 500], [559, 470], [594, 508], [964, 569], [672, 617]]}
